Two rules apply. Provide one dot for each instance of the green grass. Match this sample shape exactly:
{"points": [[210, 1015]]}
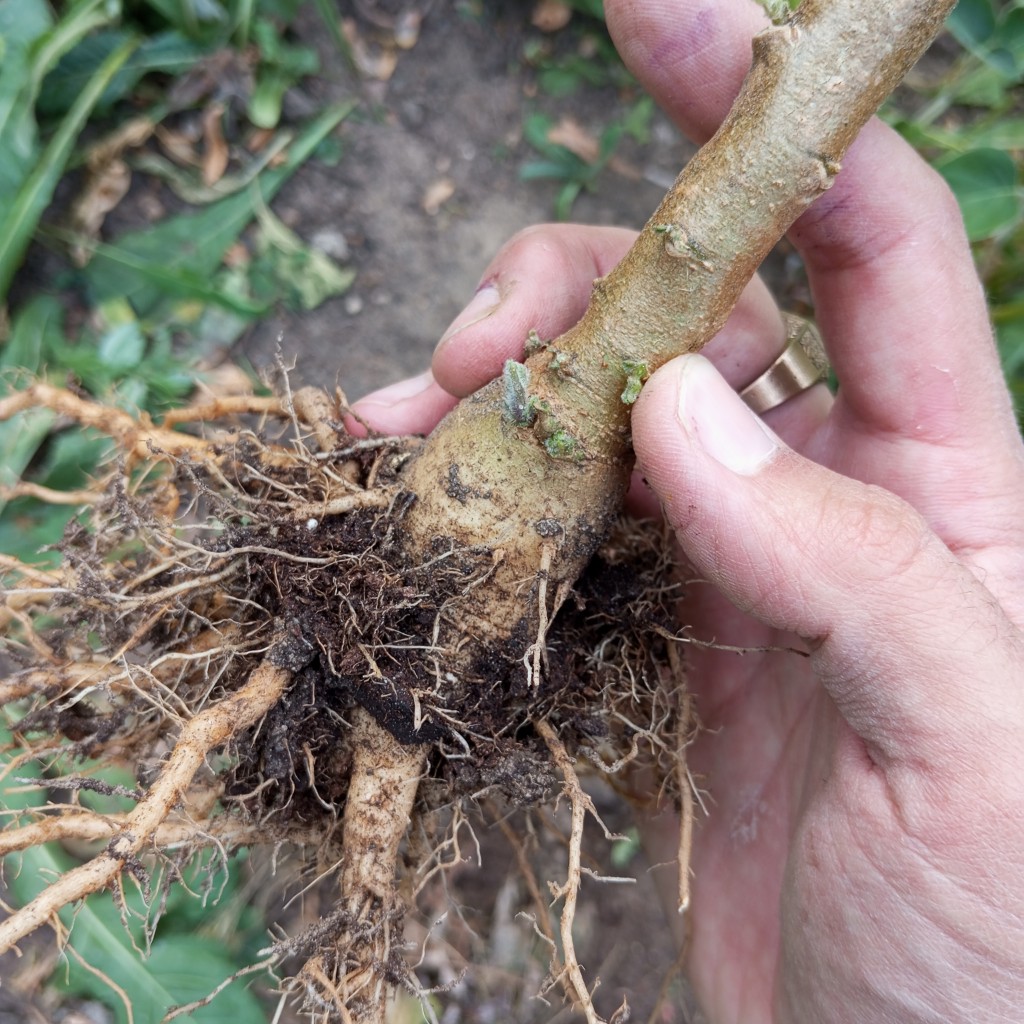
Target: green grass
{"points": [[970, 126], [129, 327]]}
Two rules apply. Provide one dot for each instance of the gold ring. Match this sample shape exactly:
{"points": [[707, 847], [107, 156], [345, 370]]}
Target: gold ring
{"points": [[801, 365]]}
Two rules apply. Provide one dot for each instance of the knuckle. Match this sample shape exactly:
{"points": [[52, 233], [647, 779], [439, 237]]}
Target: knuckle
{"points": [[529, 240], [882, 532]]}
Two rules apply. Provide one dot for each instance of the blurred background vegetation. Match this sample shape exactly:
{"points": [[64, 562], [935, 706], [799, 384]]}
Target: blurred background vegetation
{"points": [[192, 95]]}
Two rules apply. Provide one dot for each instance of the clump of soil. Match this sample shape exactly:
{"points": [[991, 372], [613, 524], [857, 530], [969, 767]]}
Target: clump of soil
{"points": [[237, 619]]}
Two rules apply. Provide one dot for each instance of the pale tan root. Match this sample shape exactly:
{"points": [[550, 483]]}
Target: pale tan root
{"points": [[309, 405], [580, 805], [118, 676], [379, 499], [228, 405], [31, 587], [30, 575], [317, 408], [25, 489], [90, 826], [210, 729], [138, 436], [686, 729], [385, 776]]}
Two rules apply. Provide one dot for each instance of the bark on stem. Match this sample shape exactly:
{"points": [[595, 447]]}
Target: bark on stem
{"points": [[813, 84], [543, 456]]}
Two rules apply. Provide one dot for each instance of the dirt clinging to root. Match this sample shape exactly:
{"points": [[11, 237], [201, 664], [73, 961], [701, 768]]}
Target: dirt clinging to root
{"points": [[281, 543]]}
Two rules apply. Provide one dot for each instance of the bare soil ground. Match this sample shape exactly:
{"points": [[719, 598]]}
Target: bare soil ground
{"points": [[453, 110]]}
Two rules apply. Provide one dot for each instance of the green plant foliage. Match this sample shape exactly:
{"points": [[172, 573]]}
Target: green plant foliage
{"points": [[328, 11], [300, 275], [971, 128], [282, 65], [181, 256], [22, 24], [203, 20], [36, 191], [636, 373], [168, 52], [593, 8], [562, 165], [29, 172], [992, 34], [519, 404], [627, 848], [594, 64], [778, 10], [987, 186], [35, 331], [179, 966]]}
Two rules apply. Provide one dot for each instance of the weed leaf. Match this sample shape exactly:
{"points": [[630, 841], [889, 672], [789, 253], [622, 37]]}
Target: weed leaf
{"points": [[34, 332], [985, 183], [971, 23], [22, 23], [35, 193], [181, 255], [168, 52], [308, 275]]}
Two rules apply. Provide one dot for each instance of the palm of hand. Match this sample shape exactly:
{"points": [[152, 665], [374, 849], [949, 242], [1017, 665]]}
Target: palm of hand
{"points": [[812, 853]]}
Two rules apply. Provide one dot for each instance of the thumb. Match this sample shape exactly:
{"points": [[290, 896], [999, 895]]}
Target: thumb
{"points": [[915, 652]]}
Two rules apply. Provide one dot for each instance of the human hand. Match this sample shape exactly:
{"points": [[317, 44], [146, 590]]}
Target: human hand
{"points": [[863, 856]]}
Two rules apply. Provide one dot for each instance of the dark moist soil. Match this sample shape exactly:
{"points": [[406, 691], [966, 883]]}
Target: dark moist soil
{"points": [[454, 109]]}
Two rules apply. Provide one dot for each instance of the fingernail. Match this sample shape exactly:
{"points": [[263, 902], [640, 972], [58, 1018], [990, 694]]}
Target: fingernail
{"points": [[720, 421], [400, 391], [481, 306]]}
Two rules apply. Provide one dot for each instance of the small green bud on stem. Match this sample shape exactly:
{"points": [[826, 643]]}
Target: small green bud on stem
{"points": [[636, 373], [518, 403]]}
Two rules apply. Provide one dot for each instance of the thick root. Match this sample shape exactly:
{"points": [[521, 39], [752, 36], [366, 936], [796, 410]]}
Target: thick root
{"points": [[206, 732], [252, 562], [365, 962]]}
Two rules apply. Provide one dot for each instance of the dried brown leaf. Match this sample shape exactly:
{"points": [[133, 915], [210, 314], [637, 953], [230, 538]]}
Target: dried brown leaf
{"points": [[436, 195], [106, 182], [377, 62], [103, 190], [568, 132], [259, 139], [407, 29], [551, 15], [215, 149], [179, 146], [130, 135], [575, 138]]}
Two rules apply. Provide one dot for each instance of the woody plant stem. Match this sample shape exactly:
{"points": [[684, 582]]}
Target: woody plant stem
{"points": [[535, 465]]}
